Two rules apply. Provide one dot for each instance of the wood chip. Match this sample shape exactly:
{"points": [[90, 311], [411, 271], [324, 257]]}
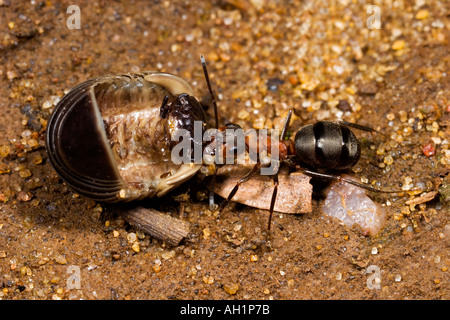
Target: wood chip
{"points": [[424, 197], [157, 224]]}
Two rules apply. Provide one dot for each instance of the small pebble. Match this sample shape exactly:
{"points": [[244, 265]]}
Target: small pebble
{"points": [[131, 237], [206, 233], [136, 247], [231, 288], [24, 173], [168, 255], [429, 150], [24, 196], [374, 250], [422, 14], [208, 279], [60, 259], [157, 268], [398, 45], [5, 151]]}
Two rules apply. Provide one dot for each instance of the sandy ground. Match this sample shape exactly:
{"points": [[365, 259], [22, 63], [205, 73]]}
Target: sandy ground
{"points": [[324, 60]]}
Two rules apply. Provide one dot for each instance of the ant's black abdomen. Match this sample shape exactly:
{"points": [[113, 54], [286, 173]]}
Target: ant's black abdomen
{"points": [[328, 145]]}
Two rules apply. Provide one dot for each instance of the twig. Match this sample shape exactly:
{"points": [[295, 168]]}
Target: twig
{"points": [[157, 224]]}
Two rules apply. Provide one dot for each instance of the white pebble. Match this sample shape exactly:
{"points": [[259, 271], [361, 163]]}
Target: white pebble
{"points": [[351, 205]]}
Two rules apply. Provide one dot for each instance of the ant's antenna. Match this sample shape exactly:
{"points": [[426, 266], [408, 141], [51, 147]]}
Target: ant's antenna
{"points": [[205, 71], [286, 125], [213, 181]]}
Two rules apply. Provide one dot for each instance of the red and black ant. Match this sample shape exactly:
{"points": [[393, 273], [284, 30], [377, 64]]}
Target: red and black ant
{"points": [[317, 149]]}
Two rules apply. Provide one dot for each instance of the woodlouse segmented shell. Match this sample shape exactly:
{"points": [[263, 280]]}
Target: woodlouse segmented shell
{"points": [[110, 137]]}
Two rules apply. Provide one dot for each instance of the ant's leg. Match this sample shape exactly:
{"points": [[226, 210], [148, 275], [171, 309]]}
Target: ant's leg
{"points": [[247, 177], [339, 178], [274, 197], [216, 117], [211, 192]]}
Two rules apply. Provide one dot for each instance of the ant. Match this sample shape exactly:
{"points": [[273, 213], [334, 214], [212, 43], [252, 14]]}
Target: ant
{"points": [[317, 150]]}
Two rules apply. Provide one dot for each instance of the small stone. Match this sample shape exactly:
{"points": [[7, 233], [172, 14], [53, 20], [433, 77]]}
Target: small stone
{"points": [[55, 280], [231, 288], [2, 254], [25, 173], [388, 160], [398, 278], [4, 168], [243, 114], [131, 237], [59, 258], [343, 105], [374, 250], [398, 45], [5, 151], [116, 256], [168, 255], [422, 14], [37, 160], [208, 279], [225, 57], [24, 196], [157, 268], [33, 143], [429, 150], [135, 247], [206, 233], [390, 116], [253, 258], [47, 104]]}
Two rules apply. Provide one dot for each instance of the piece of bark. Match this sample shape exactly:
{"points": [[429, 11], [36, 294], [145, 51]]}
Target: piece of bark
{"points": [[157, 224], [424, 197], [294, 190]]}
